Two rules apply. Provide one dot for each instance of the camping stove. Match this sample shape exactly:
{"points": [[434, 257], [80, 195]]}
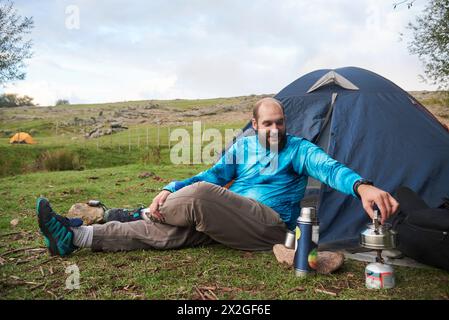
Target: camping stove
{"points": [[379, 275]]}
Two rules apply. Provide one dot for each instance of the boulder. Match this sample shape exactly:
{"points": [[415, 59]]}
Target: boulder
{"points": [[116, 125], [89, 215]]}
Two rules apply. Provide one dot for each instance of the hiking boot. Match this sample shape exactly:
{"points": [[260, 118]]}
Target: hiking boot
{"points": [[57, 230]]}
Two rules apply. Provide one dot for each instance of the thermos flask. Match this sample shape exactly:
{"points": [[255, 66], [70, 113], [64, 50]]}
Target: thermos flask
{"points": [[307, 235]]}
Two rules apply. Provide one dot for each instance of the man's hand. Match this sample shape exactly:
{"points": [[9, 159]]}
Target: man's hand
{"points": [[371, 195], [158, 201]]}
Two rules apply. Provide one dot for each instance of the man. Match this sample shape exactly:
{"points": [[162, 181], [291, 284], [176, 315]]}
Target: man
{"points": [[269, 172]]}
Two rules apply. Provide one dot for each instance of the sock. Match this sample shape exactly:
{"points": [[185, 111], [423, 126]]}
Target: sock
{"points": [[83, 236]]}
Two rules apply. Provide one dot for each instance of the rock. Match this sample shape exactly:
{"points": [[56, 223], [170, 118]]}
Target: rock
{"points": [[96, 134], [116, 125], [145, 175], [14, 222], [89, 215], [151, 106], [328, 261]]}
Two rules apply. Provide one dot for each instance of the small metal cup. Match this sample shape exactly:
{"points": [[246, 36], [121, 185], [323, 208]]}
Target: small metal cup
{"points": [[290, 240]]}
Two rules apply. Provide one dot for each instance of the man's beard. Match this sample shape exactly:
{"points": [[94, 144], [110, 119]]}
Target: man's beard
{"points": [[264, 137]]}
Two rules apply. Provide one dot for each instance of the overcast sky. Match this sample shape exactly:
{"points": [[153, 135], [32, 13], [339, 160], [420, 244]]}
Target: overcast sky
{"points": [[117, 50]]}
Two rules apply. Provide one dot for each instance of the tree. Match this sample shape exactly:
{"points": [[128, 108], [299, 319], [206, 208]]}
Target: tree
{"points": [[431, 41], [14, 49], [14, 100], [408, 2], [60, 102]]}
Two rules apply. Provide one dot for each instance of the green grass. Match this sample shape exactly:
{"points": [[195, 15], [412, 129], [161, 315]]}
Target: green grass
{"points": [[44, 127], [20, 159], [138, 144], [173, 274]]}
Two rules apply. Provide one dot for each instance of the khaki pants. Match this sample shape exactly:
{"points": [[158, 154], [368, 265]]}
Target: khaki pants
{"points": [[199, 214]]}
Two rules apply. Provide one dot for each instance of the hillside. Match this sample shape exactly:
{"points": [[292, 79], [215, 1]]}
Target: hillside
{"points": [[77, 119]]}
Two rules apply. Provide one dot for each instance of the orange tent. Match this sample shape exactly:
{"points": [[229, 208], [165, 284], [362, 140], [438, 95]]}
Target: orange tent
{"points": [[22, 137]]}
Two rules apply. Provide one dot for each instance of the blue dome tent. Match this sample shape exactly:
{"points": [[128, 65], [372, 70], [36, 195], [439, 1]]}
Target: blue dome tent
{"points": [[375, 128]]}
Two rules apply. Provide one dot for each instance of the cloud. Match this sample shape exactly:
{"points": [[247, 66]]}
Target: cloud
{"points": [[198, 49]]}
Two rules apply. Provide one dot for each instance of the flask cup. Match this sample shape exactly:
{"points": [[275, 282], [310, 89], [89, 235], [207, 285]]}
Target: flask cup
{"points": [[290, 239]]}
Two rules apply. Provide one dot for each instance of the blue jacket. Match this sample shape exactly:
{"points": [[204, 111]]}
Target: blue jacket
{"points": [[276, 179]]}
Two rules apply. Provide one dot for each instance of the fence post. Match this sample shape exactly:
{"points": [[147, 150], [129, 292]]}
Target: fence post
{"points": [[129, 141], [147, 138], [138, 138], [169, 142]]}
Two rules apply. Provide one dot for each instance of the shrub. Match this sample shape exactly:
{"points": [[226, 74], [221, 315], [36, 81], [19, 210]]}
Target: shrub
{"points": [[152, 156], [58, 160]]}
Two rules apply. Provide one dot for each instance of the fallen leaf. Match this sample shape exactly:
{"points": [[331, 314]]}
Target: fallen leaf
{"points": [[201, 296], [207, 288], [210, 295], [52, 294], [296, 289]]}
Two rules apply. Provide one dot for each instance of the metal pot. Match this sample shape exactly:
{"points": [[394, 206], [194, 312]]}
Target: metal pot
{"points": [[378, 237]]}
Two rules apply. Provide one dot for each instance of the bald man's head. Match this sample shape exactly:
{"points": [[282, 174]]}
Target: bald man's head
{"points": [[269, 122], [266, 103]]}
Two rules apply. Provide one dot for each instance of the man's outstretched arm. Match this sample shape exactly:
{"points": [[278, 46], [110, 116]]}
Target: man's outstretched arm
{"points": [[220, 174], [316, 163]]}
